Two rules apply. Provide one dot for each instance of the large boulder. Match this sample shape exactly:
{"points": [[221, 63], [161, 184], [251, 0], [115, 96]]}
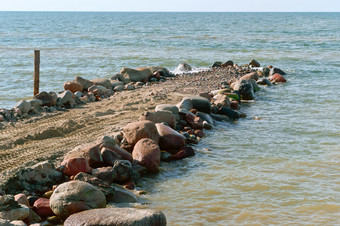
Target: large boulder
{"points": [[232, 114], [194, 121], [84, 82], [48, 99], [185, 104], [264, 81], [125, 155], [246, 89], [76, 196], [73, 166], [206, 117], [148, 154], [222, 100], [119, 172], [171, 140], [102, 82], [73, 86], [65, 97], [24, 106], [158, 117], [275, 70], [199, 103], [146, 70], [117, 216], [42, 207], [11, 210], [162, 71], [134, 75], [254, 63], [135, 131], [169, 107]]}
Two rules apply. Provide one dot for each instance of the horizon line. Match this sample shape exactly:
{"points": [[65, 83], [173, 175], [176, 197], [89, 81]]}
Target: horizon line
{"points": [[103, 11]]}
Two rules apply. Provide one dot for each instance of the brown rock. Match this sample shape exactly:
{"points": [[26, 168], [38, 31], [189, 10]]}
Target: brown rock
{"points": [[134, 75], [159, 117], [84, 82], [42, 207], [254, 63], [222, 100], [252, 75], [48, 99], [73, 86], [89, 151], [171, 140], [206, 95], [73, 166], [102, 82], [277, 78], [147, 152], [146, 70], [194, 121], [183, 153], [135, 131], [22, 199]]}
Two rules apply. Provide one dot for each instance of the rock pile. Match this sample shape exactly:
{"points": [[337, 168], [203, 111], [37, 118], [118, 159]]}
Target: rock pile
{"points": [[106, 170]]}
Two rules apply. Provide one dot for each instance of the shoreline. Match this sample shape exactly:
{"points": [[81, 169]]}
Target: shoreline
{"points": [[170, 91]]}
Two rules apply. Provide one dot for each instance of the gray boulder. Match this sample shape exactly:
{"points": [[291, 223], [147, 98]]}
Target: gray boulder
{"points": [[121, 78], [206, 117], [102, 82], [76, 196], [117, 216], [168, 107], [11, 210], [24, 106], [48, 99], [65, 97], [84, 82], [134, 75], [200, 103], [264, 81]]}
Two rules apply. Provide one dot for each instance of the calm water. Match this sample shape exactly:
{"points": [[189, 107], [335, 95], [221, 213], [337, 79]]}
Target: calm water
{"points": [[283, 169]]}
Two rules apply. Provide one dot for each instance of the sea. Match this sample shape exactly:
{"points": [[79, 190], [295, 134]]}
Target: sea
{"points": [[278, 166]]}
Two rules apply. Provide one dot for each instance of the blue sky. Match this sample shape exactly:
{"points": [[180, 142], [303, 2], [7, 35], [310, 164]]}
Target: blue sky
{"points": [[173, 5]]}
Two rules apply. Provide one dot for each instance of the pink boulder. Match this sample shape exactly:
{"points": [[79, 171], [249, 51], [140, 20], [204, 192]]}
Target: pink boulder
{"points": [[135, 131], [147, 152], [249, 76], [73, 86], [42, 207], [171, 140], [90, 151], [73, 166], [277, 78]]}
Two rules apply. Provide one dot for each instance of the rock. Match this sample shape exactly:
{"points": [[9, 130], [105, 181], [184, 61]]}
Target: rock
{"points": [[120, 151], [159, 117], [194, 121], [116, 83], [275, 70], [228, 63], [205, 117], [199, 103], [117, 216], [17, 223], [184, 67], [110, 156], [121, 78], [170, 140], [91, 179], [264, 81], [248, 76], [207, 125], [199, 133], [185, 104], [146, 70], [119, 172], [24, 106], [234, 105], [73, 86], [277, 78], [11, 210], [134, 75], [48, 99], [32, 199], [222, 100], [91, 152], [73, 166], [42, 207], [98, 90], [76, 196], [254, 63], [162, 70], [65, 97], [35, 102], [119, 88], [1, 118], [232, 114], [129, 87], [22, 199], [84, 82], [246, 90], [217, 64], [168, 107], [147, 153], [102, 82], [135, 131], [266, 72], [206, 95], [122, 195], [183, 153], [218, 117], [78, 94]]}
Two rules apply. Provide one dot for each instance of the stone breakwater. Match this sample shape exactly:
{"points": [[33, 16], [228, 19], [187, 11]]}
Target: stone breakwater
{"points": [[107, 170]]}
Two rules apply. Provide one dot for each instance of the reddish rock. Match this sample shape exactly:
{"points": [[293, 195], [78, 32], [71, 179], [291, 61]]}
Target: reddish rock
{"points": [[89, 151], [158, 117], [22, 199], [171, 140], [234, 105], [73, 86], [277, 78], [48, 99], [42, 207], [252, 75], [183, 153], [135, 131], [147, 152], [194, 121], [73, 166]]}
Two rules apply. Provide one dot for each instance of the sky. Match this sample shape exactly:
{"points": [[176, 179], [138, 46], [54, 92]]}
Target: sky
{"points": [[173, 5]]}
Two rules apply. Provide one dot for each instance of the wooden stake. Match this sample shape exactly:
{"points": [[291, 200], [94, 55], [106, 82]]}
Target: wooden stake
{"points": [[36, 71]]}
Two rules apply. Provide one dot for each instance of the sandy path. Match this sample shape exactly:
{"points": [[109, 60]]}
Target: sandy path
{"points": [[52, 135]]}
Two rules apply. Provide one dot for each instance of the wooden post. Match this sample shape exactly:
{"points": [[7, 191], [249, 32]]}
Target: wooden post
{"points": [[36, 71]]}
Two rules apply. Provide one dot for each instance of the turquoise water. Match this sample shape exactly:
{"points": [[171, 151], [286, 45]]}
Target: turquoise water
{"points": [[282, 169]]}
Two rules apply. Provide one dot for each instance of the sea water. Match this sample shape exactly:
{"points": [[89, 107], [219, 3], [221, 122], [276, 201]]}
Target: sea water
{"points": [[280, 165]]}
